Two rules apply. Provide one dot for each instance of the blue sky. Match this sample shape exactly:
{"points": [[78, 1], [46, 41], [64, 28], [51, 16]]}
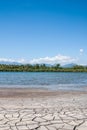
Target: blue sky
{"points": [[37, 31]]}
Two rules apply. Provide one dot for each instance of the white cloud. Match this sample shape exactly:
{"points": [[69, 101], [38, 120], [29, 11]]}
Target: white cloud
{"points": [[61, 59], [81, 51], [7, 60], [12, 60], [21, 60], [52, 60]]}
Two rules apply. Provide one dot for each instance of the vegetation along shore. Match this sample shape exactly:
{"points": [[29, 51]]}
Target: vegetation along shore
{"points": [[41, 68]]}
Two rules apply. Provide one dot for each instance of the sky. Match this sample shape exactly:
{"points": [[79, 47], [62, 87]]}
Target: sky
{"points": [[43, 31]]}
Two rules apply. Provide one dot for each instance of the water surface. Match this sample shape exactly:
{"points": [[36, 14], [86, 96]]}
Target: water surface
{"points": [[49, 80]]}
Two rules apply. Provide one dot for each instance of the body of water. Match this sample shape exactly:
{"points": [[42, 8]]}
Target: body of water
{"points": [[48, 80]]}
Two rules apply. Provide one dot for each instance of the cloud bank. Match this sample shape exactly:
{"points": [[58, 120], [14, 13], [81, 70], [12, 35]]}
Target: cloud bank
{"points": [[52, 60], [11, 60], [47, 60]]}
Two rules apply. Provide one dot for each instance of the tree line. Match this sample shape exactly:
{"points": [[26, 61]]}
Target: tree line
{"points": [[41, 68]]}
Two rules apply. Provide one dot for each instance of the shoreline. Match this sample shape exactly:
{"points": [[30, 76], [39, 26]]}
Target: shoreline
{"points": [[36, 92]]}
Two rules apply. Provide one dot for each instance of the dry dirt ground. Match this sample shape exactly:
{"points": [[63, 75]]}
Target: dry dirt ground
{"points": [[27, 109]]}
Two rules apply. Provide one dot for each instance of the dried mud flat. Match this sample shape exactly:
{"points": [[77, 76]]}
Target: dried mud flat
{"points": [[27, 109]]}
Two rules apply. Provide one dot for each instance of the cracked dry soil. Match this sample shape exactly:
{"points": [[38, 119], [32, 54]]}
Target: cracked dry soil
{"points": [[64, 112]]}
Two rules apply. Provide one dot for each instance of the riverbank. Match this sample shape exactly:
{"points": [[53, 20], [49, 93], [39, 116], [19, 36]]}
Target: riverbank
{"points": [[30, 109], [37, 93]]}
